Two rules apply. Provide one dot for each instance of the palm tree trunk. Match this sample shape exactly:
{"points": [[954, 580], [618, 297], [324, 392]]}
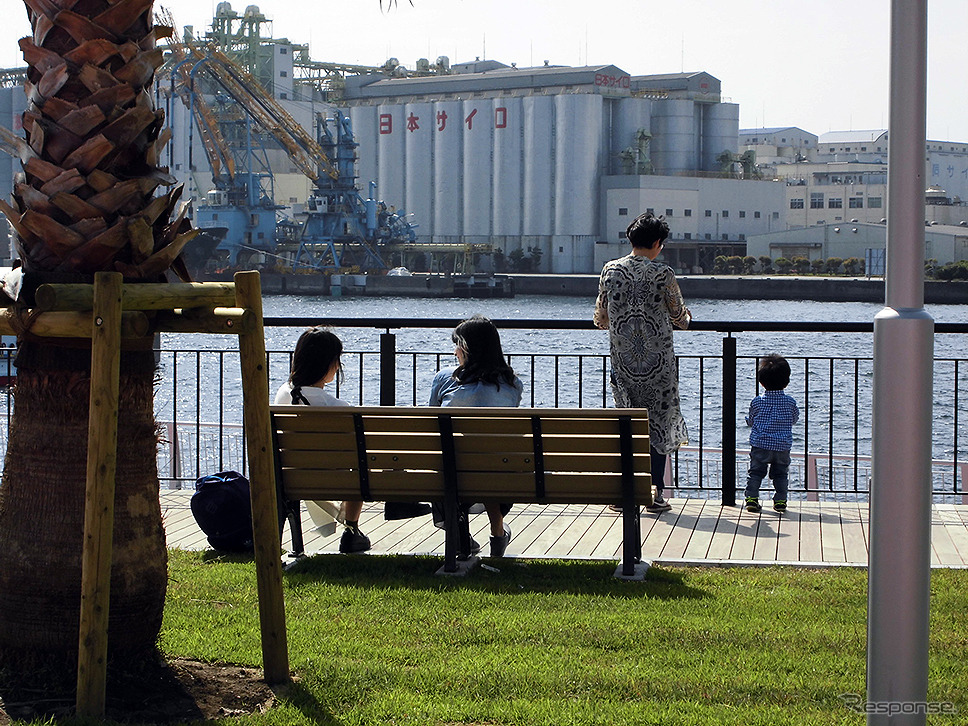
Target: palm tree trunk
{"points": [[42, 508], [86, 201]]}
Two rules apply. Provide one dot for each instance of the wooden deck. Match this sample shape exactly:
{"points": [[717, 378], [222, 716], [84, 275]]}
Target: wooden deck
{"points": [[695, 532]]}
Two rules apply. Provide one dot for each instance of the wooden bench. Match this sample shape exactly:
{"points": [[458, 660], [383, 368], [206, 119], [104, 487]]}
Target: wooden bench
{"points": [[454, 455]]}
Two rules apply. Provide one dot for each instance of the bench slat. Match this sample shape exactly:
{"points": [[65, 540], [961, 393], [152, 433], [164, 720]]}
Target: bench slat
{"points": [[497, 462], [428, 485]]}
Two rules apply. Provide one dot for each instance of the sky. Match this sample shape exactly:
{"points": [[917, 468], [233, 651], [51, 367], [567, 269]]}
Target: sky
{"points": [[822, 66]]}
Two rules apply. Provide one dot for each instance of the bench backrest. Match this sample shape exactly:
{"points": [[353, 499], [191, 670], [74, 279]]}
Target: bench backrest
{"points": [[393, 453]]}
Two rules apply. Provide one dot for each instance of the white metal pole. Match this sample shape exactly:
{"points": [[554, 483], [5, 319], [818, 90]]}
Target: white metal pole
{"points": [[900, 502]]}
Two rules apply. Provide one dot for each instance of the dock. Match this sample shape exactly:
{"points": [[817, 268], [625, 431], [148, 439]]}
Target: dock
{"points": [[696, 532]]}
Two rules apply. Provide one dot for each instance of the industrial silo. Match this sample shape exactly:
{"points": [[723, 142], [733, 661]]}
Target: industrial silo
{"points": [[478, 128], [720, 132], [507, 181], [448, 198], [419, 165], [538, 165], [674, 136], [390, 153], [631, 135], [578, 150], [363, 119]]}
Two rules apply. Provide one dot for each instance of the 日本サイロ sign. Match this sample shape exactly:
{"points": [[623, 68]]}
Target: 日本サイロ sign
{"points": [[413, 122]]}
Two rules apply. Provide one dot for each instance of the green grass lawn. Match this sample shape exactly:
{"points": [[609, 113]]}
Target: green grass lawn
{"points": [[382, 640]]}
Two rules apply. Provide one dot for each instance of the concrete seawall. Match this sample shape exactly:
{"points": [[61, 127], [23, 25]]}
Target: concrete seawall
{"points": [[823, 289]]}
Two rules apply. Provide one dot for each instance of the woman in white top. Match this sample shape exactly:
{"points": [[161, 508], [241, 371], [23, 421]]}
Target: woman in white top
{"points": [[316, 362]]}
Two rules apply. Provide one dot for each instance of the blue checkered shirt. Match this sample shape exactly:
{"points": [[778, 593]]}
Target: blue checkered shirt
{"points": [[772, 416]]}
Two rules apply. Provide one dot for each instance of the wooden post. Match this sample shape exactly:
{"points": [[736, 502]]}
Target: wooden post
{"points": [[262, 480], [102, 451]]}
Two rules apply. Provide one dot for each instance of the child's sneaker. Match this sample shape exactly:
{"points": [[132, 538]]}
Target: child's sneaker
{"points": [[753, 505], [658, 506], [780, 505]]}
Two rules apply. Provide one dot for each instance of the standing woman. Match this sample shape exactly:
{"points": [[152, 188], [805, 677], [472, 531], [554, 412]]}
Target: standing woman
{"points": [[316, 362], [639, 303], [482, 378]]}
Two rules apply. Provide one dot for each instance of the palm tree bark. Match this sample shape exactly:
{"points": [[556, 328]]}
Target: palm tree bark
{"points": [[88, 199]]}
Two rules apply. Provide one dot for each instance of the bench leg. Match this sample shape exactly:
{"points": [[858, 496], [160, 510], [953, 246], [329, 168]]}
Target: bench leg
{"points": [[292, 510], [631, 539]]}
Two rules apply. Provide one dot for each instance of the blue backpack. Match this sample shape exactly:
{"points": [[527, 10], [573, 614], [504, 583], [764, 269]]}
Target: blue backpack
{"points": [[223, 511]]}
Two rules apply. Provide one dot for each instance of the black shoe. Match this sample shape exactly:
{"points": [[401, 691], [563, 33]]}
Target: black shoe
{"points": [[753, 505], [353, 540], [500, 544], [780, 505]]}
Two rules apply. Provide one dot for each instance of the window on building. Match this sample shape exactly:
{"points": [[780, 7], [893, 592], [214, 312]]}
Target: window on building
{"points": [[756, 215], [283, 74], [725, 236], [623, 211], [621, 235], [708, 236], [686, 212], [742, 214], [650, 210], [283, 96], [283, 50], [215, 216], [816, 200], [855, 203], [668, 212], [835, 203], [874, 202], [742, 238], [725, 213], [863, 148], [709, 213], [796, 204], [687, 235], [293, 200], [776, 215], [846, 148]]}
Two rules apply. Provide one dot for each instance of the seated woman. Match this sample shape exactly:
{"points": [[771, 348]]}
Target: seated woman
{"points": [[482, 378], [316, 362]]}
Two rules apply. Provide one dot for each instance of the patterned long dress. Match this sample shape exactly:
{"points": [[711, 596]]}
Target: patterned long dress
{"points": [[639, 302]]}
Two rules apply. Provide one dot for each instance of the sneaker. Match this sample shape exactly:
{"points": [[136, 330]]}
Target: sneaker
{"points": [[353, 540], [753, 505], [780, 505], [658, 505], [500, 544]]}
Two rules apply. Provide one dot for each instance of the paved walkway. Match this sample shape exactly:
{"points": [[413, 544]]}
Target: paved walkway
{"points": [[695, 532]]}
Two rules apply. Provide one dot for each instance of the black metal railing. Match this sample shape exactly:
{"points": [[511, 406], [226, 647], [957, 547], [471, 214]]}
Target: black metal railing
{"points": [[199, 399]]}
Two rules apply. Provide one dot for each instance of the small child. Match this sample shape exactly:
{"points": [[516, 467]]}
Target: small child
{"points": [[772, 416]]}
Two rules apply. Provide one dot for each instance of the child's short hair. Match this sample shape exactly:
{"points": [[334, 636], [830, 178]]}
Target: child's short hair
{"points": [[773, 372]]}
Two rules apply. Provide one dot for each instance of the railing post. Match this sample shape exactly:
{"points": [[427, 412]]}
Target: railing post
{"points": [[729, 421], [388, 369]]}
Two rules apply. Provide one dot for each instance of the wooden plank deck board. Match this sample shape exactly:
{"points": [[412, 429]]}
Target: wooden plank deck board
{"points": [[788, 535], [810, 550], [744, 541], [702, 533], [722, 540], [943, 549], [556, 521], [660, 527], [681, 530], [593, 536], [959, 538], [855, 541], [580, 519], [767, 535], [831, 534]]}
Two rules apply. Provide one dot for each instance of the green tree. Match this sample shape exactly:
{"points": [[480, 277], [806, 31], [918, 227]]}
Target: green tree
{"points": [[766, 264], [517, 261], [833, 265], [853, 266], [749, 262], [720, 266], [817, 266], [535, 259], [734, 263], [783, 265], [801, 265]]}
